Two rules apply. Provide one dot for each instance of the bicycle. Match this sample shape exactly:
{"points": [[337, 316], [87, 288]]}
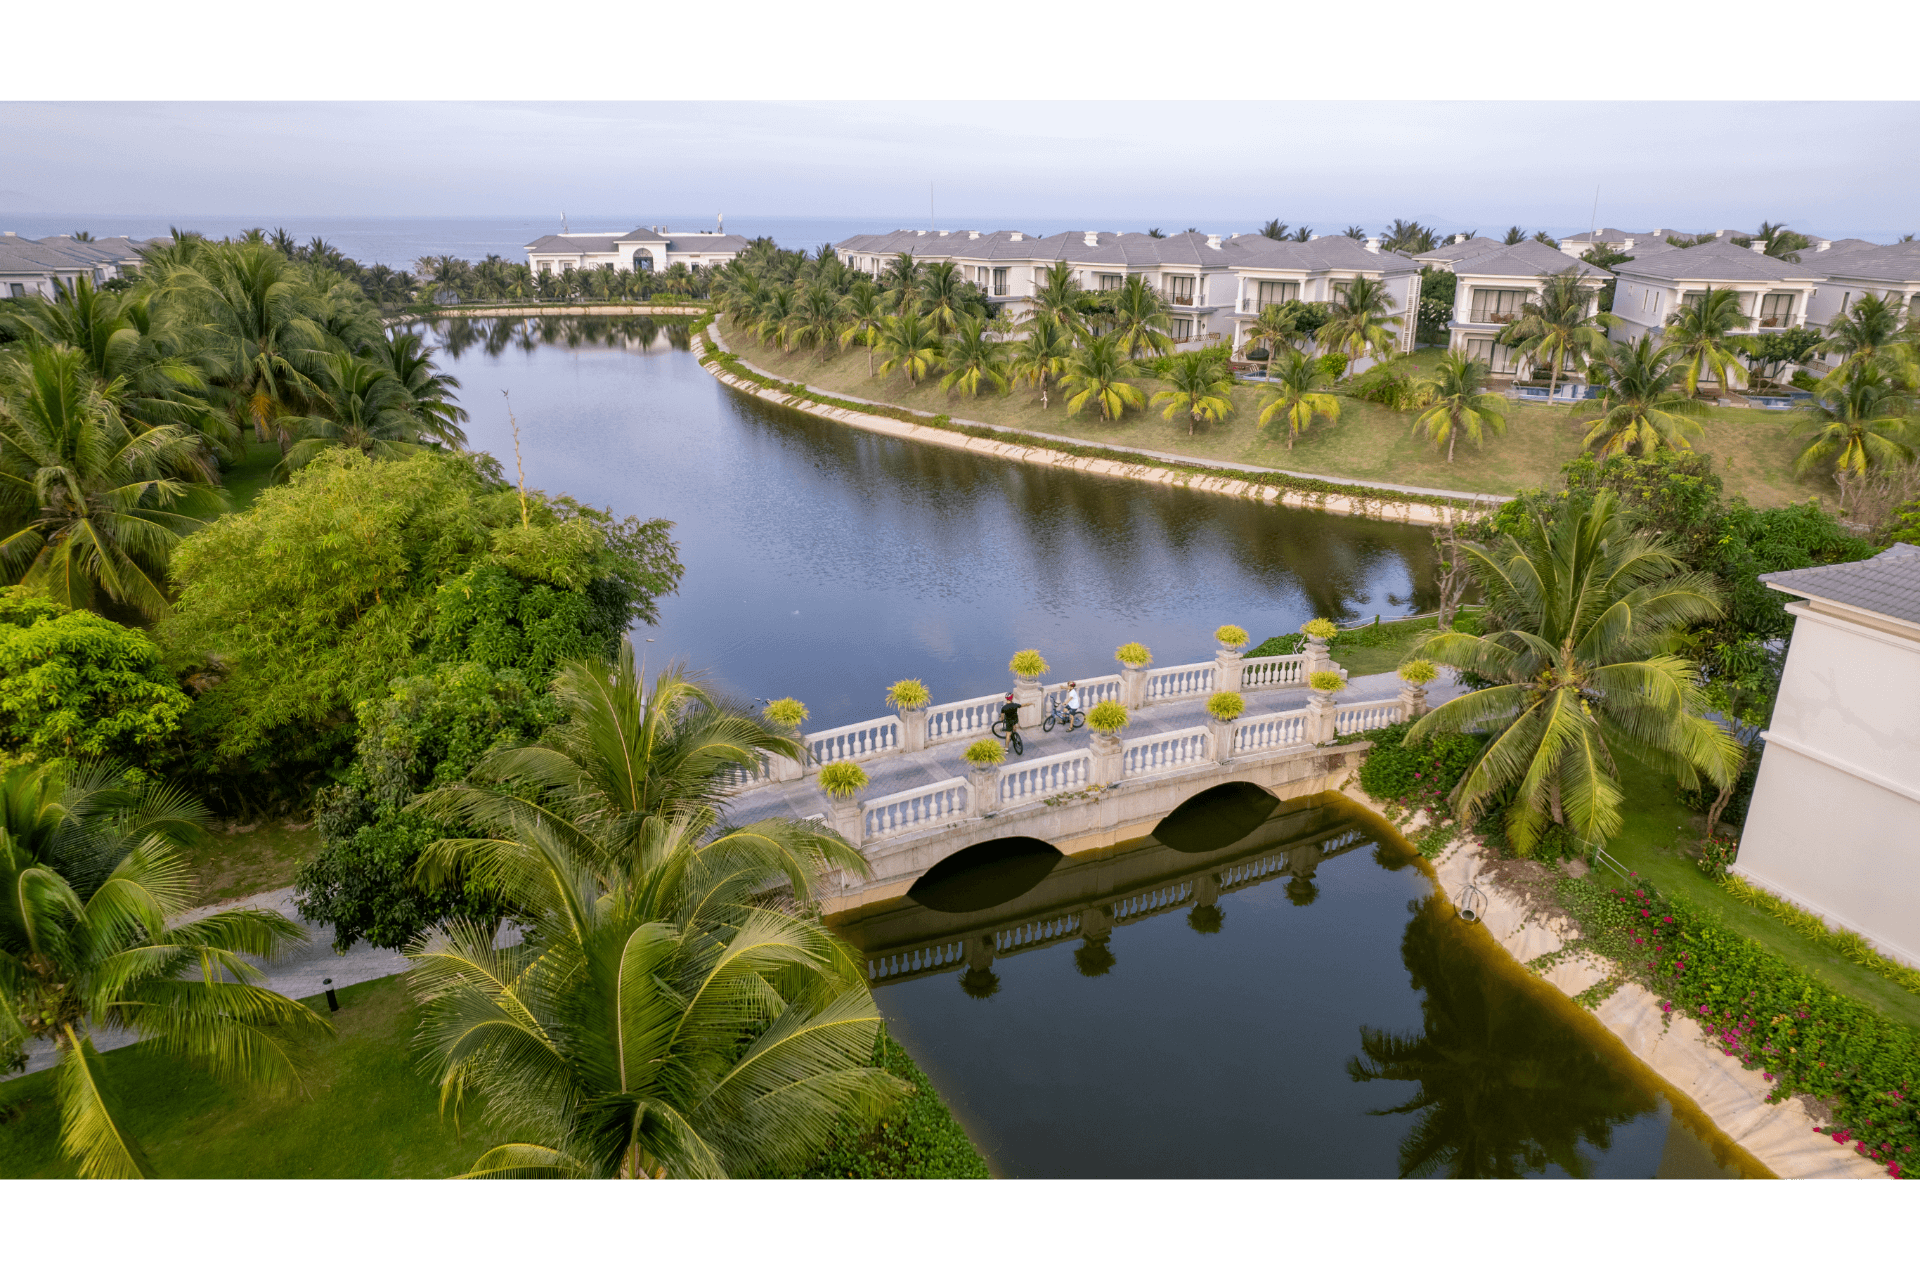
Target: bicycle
{"points": [[1001, 729], [1059, 713]]}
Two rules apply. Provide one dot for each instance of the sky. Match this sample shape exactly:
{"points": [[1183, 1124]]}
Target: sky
{"points": [[1828, 168]]}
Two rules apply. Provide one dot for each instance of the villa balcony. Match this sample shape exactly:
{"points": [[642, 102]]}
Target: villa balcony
{"points": [[1492, 317]]}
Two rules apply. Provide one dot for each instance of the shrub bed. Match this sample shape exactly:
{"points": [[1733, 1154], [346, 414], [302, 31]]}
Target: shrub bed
{"points": [[1417, 776], [918, 1139]]}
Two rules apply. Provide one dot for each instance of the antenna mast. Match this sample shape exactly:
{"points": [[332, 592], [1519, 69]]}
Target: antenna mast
{"points": [[1595, 217]]}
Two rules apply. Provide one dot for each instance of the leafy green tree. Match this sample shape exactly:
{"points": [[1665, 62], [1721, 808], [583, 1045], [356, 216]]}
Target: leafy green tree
{"points": [[1096, 373], [89, 877], [1361, 321], [1641, 408], [1438, 288], [973, 357], [1460, 404], [1042, 354], [1701, 336], [1767, 353], [1860, 424], [1296, 396], [1141, 318], [74, 685], [1559, 327], [1198, 385], [87, 504], [1579, 669], [910, 344]]}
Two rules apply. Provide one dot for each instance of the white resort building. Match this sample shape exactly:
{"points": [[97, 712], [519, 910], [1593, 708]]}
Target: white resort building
{"points": [[1491, 288], [36, 267], [1774, 293], [647, 249], [1834, 824]]}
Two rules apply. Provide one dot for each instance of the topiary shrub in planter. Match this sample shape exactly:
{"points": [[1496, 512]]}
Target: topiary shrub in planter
{"points": [[985, 753], [1226, 705], [1419, 671], [1327, 681], [1319, 629], [842, 778], [1028, 664], [788, 713], [1232, 637], [908, 695], [1133, 654], [1107, 716]]}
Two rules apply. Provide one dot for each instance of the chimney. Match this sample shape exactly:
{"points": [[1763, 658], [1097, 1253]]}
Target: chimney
{"points": [[1824, 245], [1758, 246], [973, 235], [1626, 246], [1459, 237], [1314, 237], [1016, 235], [1373, 244], [13, 233], [1091, 239], [943, 233], [1213, 242]]}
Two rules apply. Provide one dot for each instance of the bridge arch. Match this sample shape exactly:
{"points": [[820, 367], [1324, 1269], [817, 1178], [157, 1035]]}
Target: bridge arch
{"points": [[985, 875], [1216, 817]]}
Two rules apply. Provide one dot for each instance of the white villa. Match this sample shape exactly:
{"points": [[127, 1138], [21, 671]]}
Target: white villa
{"points": [[29, 267], [1490, 290], [1214, 285], [1834, 824], [1890, 271], [647, 249], [1775, 294], [1457, 249]]}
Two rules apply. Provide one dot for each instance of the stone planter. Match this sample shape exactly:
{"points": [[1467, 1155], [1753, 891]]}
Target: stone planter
{"points": [[1227, 665], [1108, 763], [1320, 717], [1318, 656], [913, 728], [983, 790], [1133, 685], [1413, 700], [1222, 739]]}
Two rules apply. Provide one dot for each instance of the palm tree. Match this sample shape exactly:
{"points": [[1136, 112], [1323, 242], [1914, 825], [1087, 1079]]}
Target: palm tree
{"points": [[1361, 322], [1042, 355], [1514, 236], [1558, 327], [973, 357], [1459, 403], [1641, 408], [89, 876], [1582, 667], [360, 406], [864, 309], [1859, 425], [1355, 232], [407, 357], [943, 295], [1701, 333], [1057, 297], [86, 504], [1408, 236], [903, 279], [1296, 395], [815, 321], [665, 1020], [1141, 318], [1864, 330], [1096, 372], [909, 344], [1274, 230], [1277, 326], [1199, 385]]}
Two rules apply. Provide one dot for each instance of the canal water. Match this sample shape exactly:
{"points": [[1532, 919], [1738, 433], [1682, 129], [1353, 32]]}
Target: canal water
{"points": [[1256, 991]]}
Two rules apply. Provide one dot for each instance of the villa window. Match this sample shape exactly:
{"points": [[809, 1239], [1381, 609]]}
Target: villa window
{"points": [[1182, 328], [1180, 290], [1276, 293], [17, 290], [1497, 306], [1490, 353], [1776, 311], [642, 260], [1111, 281], [999, 282]]}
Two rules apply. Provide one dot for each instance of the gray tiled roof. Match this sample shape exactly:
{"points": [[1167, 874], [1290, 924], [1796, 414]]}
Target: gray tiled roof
{"points": [[1718, 260], [676, 241], [1529, 259], [1452, 252], [1888, 584], [1895, 263], [1326, 253]]}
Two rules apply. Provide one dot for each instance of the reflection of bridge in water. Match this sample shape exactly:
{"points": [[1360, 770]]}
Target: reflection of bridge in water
{"points": [[1085, 899]]}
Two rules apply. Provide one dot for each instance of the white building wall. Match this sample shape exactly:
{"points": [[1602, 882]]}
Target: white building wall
{"points": [[1835, 819]]}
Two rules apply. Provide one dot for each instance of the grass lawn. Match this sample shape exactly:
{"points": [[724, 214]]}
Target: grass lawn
{"points": [[248, 862], [361, 1109], [1752, 449], [1658, 841], [1366, 650]]}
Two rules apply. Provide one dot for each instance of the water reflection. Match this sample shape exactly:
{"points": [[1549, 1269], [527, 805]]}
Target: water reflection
{"points": [[985, 875]]}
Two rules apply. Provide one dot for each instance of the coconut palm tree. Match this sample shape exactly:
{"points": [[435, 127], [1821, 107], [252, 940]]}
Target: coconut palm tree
{"points": [[1058, 297], [1582, 668], [903, 281], [1701, 333], [944, 296], [864, 310], [1514, 236], [1198, 385], [1097, 373], [816, 319], [1274, 230], [1277, 326], [1042, 354], [1459, 403], [360, 406], [1860, 424], [1141, 319], [909, 344], [1361, 321], [87, 504], [89, 877], [973, 357], [1558, 327], [776, 314], [407, 357], [1641, 407], [1296, 396], [1864, 331]]}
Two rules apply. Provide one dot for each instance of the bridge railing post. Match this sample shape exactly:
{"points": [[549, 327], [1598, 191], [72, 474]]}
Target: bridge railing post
{"points": [[1028, 694], [983, 790], [1108, 761], [913, 728], [1228, 666], [1413, 701], [1321, 714], [1222, 740], [1133, 686]]}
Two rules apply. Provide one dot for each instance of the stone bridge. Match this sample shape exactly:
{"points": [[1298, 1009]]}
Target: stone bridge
{"points": [[1081, 791]]}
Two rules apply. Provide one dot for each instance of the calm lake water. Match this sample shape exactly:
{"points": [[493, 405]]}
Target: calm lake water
{"points": [[1275, 995]]}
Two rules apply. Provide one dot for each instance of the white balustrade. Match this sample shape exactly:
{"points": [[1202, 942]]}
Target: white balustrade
{"points": [[934, 804], [927, 959], [735, 778], [1049, 775], [1193, 680], [950, 721], [1150, 902], [1359, 717], [1094, 690], [1274, 673], [1035, 933], [1164, 752], [860, 741], [1274, 731]]}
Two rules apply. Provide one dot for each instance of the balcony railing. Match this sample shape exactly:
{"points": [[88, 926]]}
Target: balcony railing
{"points": [[1776, 322], [1181, 299], [1493, 317]]}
